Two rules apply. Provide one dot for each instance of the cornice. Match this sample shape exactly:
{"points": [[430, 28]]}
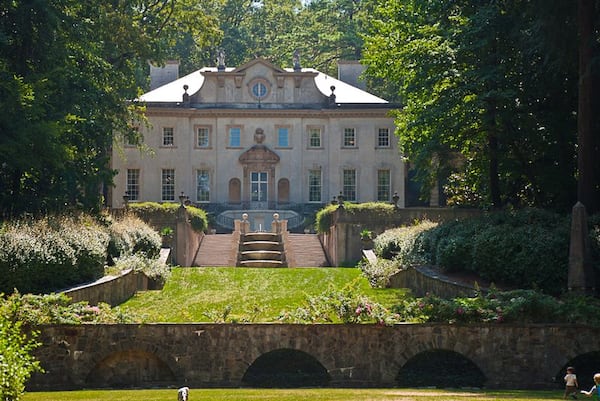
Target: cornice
{"points": [[270, 113]]}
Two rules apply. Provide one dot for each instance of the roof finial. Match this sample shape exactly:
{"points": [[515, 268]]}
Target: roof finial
{"points": [[297, 66], [221, 60]]}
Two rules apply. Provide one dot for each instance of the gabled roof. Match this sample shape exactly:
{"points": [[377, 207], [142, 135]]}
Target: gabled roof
{"points": [[345, 93]]}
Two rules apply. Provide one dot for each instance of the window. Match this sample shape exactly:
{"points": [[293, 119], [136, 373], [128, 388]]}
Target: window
{"points": [[133, 184], [168, 184], [203, 137], [283, 138], [314, 137], [383, 138], [314, 186], [235, 140], [349, 140], [383, 185], [349, 185], [203, 186], [168, 137], [258, 186], [259, 90]]}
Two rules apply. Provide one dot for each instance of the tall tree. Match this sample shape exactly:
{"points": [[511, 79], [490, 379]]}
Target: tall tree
{"points": [[68, 70], [484, 109]]}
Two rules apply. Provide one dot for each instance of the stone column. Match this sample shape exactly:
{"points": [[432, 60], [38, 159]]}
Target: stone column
{"points": [[181, 234], [581, 276]]}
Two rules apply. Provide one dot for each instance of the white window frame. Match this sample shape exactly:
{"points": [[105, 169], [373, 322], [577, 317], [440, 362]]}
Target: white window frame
{"points": [[319, 137], [349, 189], [384, 187], [197, 129], [383, 138], [315, 185], [349, 138], [168, 137], [132, 184], [167, 184]]}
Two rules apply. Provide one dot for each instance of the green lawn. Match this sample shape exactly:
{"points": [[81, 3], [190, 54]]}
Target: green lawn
{"points": [[253, 295], [295, 395]]}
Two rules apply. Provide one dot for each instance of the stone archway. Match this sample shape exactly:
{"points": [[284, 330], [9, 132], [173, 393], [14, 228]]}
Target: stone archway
{"points": [[130, 368], [440, 368], [586, 365], [286, 368]]}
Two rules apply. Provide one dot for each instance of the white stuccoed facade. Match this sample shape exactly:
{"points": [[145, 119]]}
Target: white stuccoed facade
{"points": [[261, 137]]}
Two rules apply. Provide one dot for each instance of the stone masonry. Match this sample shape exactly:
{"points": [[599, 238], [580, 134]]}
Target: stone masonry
{"points": [[218, 355]]}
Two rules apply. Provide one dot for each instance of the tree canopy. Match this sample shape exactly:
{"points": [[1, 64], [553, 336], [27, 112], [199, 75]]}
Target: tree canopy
{"points": [[67, 72], [490, 96]]}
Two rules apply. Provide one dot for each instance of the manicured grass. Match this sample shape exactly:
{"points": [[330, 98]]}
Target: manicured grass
{"points": [[295, 395], [252, 295]]}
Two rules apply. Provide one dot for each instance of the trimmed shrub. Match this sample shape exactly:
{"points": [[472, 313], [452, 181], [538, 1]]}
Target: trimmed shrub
{"points": [[198, 217], [324, 217]]}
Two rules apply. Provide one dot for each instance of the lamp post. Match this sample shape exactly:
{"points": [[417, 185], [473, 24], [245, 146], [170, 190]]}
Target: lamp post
{"points": [[341, 200]]}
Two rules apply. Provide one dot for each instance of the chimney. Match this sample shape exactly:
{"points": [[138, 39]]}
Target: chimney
{"points": [[160, 76], [349, 72]]}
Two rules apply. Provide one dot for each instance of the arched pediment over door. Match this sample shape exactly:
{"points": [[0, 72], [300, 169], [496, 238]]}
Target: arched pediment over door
{"points": [[258, 180]]}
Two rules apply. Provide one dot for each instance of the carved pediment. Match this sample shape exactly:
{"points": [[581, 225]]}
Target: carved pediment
{"points": [[259, 154]]}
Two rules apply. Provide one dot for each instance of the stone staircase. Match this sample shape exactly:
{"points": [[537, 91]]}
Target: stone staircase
{"points": [[305, 250], [217, 250], [261, 249]]}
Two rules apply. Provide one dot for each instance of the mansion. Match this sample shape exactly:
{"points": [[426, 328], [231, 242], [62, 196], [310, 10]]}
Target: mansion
{"points": [[260, 137]]}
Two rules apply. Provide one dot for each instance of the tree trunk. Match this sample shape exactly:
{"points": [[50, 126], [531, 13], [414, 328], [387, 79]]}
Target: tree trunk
{"points": [[585, 140]]}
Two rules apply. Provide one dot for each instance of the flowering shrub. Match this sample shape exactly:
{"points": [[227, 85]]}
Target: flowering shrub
{"points": [[34, 310], [130, 235], [345, 306], [379, 273], [519, 306], [403, 244], [153, 268], [51, 253]]}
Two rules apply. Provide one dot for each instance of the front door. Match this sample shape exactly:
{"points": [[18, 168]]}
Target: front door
{"points": [[258, 189]]}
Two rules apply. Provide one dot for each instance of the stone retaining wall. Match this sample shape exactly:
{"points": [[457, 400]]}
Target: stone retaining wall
{"points": [[218, 355]]}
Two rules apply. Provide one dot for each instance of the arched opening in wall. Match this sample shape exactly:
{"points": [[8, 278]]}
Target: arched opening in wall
{"points": [[586, 365], [235, 191], [286, 368], [283, 190], [440, 368], [131, 368]]}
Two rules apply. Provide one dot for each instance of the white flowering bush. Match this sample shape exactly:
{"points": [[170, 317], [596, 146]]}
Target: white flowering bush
{"points": [[130, 235], [51, 253]]}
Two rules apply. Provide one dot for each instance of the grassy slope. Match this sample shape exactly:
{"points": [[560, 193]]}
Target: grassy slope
{"points": [[295, 395], [257, 295]]}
